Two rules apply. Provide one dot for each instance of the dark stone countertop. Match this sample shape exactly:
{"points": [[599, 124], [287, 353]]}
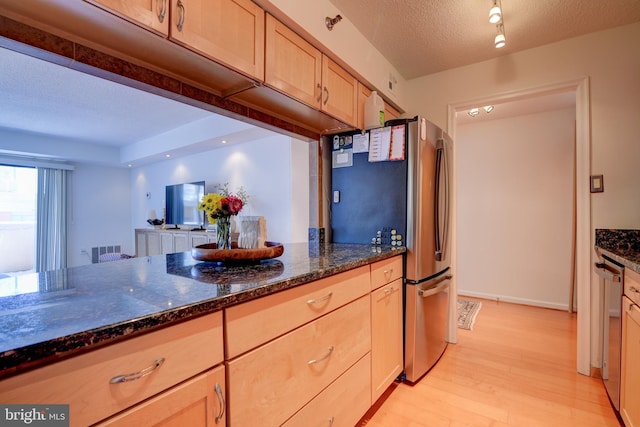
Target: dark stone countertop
{"points": [[48, 316], [620, 245]]}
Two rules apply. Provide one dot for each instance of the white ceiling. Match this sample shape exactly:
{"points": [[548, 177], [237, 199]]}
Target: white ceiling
{"points": [[421, 37], [418, 37]]}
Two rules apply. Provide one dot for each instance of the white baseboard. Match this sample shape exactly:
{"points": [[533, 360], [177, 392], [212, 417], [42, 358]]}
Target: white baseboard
{"points": [[505, 298]]}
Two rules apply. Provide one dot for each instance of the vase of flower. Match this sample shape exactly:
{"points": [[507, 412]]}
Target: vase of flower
{"points": [[223, 232], [219, 208]]}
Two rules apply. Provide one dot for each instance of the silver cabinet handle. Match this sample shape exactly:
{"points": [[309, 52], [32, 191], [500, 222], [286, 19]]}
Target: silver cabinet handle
{"points": [[634, 289], [319, 93], [163, 10], [326, 91], [222, 404], [317, 300], [387, 273], [182, 14], [330, 419], [137, 375], [390, 289], [313, 361]]}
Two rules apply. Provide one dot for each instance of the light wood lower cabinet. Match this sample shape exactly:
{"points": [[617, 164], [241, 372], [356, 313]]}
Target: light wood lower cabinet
{"points": [[101, 383], [630, 381], [342, 403], [272, 382], [387, 359], [199, 402], [254, 323], [386, 337]]}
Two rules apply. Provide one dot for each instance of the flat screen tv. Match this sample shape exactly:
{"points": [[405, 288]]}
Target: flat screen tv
{"points": [[181, 204]]}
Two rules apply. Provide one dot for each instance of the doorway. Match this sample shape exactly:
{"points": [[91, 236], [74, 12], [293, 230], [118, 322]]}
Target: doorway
{"points": [[582, 204]]}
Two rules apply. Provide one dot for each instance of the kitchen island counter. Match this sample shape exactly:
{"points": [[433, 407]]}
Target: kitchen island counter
{"points": [[52, 315], [622, 246]]}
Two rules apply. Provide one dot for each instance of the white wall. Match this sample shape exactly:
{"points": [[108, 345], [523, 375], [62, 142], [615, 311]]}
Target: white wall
{"points": [[515, 208], [274, 171], [99, 211], [611, 60]]}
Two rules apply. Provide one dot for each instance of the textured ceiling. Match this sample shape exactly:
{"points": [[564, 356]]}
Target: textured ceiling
{"points": [[418, 37], [421, 37]]}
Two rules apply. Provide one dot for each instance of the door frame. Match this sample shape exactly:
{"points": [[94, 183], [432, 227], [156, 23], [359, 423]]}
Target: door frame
{"points": [[583, 236]]}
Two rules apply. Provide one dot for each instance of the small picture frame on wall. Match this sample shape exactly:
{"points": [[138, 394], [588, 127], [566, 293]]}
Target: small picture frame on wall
{"points": [[597, 184]]}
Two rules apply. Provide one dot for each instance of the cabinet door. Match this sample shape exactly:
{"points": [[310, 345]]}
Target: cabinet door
{"points": [[154, 245], [199, 402], [363, 95], [228, 31], [166, 243], [141, 243], [272, 382], [181, 242], [198, 238], [292, 65], [339, 92], [390, 112], [630, 390], [386, 337], [153, 14]]}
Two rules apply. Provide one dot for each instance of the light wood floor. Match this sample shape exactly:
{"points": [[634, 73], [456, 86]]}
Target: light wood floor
{"points": [[517, 367]]}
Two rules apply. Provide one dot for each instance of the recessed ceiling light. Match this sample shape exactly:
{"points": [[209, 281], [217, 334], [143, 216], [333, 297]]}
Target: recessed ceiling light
{"points": [[167, 155], [474, 112], [223, 141]]}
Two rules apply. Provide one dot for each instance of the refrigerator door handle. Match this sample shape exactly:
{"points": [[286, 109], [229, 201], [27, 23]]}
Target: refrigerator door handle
{"points": [[439, 286], [441, 185]]}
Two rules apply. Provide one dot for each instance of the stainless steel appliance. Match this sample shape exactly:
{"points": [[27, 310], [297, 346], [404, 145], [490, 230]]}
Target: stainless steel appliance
{"points": [[612, 275], [405, 202]]}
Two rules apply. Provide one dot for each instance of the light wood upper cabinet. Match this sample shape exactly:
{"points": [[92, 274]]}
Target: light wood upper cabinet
{"points": [[229, 31], [292, 65], [363, 93], [295, 67], [390, 112], [339, 92], [153, 14]]}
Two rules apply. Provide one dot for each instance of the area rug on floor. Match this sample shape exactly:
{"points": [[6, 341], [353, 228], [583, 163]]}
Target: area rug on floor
{"points": [[467, 313]]}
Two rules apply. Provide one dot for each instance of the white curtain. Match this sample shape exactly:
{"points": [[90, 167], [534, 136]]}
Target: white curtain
{"points": [[51, 232]]}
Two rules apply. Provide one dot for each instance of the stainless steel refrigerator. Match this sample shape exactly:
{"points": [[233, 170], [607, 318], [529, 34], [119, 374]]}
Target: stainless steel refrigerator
{"points": [[403, 199]]}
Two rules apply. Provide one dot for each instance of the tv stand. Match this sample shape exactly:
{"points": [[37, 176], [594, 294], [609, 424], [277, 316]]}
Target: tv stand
{"points": [[151, 241]]}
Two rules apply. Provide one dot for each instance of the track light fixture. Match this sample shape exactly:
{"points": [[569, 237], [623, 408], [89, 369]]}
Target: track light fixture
{"points": [[495, 13], [500, 40]]}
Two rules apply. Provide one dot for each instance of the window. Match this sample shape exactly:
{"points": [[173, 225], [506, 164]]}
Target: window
{"points": [[18, 201]]}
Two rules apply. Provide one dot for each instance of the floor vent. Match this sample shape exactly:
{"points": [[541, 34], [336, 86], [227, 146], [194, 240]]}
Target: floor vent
{"points": [[101, 250]]}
